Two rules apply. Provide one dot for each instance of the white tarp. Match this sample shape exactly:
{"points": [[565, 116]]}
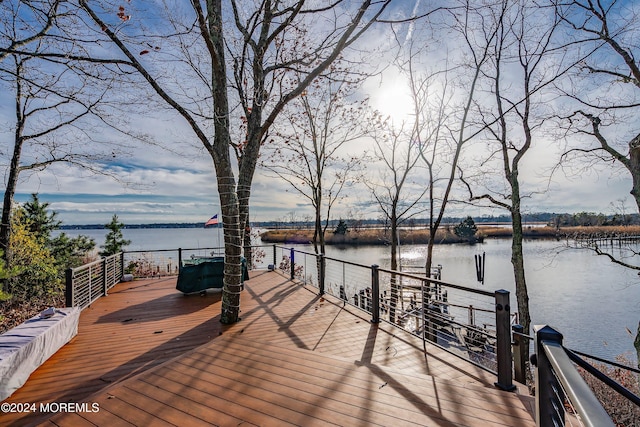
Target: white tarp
{"points": [[25, 347]]}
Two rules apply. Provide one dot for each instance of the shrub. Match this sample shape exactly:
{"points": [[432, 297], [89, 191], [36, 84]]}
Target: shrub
{"points": [[621, 410], [341, 228], [34, 275], [466, 229], [38, 275]]}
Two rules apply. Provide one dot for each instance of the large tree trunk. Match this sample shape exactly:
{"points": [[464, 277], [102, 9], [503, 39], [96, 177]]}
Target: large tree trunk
{"points": [[229, 204], [232, 249]]}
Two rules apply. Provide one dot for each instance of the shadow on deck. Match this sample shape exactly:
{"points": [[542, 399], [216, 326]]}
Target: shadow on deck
{"points": [[147, 354]]}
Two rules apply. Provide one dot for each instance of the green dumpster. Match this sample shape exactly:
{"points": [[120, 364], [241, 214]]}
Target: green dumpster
{"points": [[199, 274]]}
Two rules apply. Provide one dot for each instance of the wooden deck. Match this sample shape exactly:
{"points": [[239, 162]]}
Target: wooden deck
{"points": [[147, 355]]}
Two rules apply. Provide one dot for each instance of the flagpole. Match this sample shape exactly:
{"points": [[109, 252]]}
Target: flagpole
{"points": [[219, 226], [212, 221]]}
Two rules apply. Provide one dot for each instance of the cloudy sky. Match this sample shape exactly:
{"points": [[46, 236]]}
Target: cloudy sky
{"points": [[156, 185]]}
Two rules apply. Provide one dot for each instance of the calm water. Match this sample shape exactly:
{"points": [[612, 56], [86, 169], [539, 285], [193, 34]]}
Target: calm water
{"points": [[589, 299]]}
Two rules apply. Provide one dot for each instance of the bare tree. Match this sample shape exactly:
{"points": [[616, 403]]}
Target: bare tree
{"points": [[53, 105], [607, 120], [528, 61], [607, 84], [523, 62], [442, 117], [24, 23], [607, 89], [431, 116], [394, 187], [310, 149], [264, 43]]}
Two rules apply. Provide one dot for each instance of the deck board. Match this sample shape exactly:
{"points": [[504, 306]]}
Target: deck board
{"points": [[151, 356]]}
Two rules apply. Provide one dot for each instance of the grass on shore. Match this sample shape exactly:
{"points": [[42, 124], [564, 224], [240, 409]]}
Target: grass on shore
{"points": [[444, 235], [358, 237]]}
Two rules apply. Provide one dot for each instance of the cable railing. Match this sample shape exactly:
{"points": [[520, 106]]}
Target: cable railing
{"points": [[564, 397], [87, 283], [470, 323], [163, 262], [473, 324]]}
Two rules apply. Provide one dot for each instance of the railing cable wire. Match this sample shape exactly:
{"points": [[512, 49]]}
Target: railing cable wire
{"points": [[602, 377]]}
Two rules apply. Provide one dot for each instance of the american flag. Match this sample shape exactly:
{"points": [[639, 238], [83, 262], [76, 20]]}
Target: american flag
{"points": [[212, 221]]}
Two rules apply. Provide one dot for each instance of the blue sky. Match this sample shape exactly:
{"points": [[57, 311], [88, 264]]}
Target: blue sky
{"points": [[178, 184]]}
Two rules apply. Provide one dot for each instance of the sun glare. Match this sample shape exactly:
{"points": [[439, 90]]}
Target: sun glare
{"points": [[392, 98]]}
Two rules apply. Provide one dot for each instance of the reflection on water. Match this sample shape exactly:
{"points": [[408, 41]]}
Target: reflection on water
{"points": [[589, 299]]}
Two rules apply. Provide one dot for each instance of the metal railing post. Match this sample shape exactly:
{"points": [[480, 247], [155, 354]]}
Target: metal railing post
{"points": [[179, 260], [104, 277], [375, 294], [68, 292], [547, 411], [121, 265], [430, 332], [293, 264], [503, 341], [518, 348], [321, 273], [274, 256]]}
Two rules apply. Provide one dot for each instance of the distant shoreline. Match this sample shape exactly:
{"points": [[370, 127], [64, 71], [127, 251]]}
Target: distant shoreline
{"points": [[445, 235], [134, 226]]}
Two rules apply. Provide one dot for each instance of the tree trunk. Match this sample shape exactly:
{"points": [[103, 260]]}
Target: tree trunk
{"points": [[636, 344], [318, 234], [634, 169], [14, 172], [395, 285], [429, 262], [229, 204], [10, 190], [232, 248], [517, 260], [248, 250]]}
